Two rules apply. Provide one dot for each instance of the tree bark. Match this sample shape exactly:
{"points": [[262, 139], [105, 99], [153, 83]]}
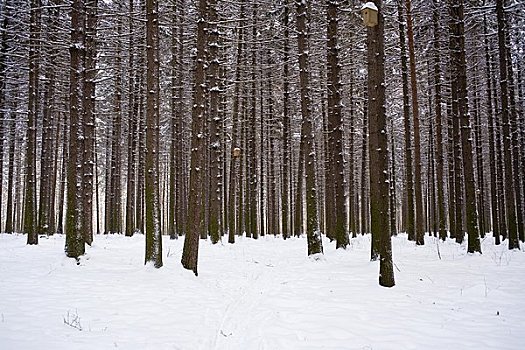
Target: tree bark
{"points": [[315, 245], [196, 210], [378, 145], [153, 252]]}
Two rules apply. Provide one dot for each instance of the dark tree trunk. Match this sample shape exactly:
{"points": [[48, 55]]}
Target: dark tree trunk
{"points": [[197, 174], [335, 161], [89, 118], [510, 202], [409, 176], [75, 244], [378, 145], [215, 146], [30, 213], [442, 220], [133, 106], [235, 185], [495, 215], [315, 245], [420, 219], [459, 82], [153, 252]]}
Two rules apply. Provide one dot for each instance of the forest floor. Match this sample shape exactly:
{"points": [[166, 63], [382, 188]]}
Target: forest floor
{"points": [[260, 294]]}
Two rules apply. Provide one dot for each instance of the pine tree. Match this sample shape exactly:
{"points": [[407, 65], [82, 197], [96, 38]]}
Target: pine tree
{"points": [[151, 193]]}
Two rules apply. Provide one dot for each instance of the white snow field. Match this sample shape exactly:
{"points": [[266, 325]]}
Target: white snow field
{"points": [[259, 294]]}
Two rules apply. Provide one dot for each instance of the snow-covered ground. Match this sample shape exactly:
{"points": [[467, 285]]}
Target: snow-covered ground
{"points": [[259, 294]]}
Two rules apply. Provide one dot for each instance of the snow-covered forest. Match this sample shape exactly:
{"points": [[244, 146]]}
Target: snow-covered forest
{"points": [[384, 138]]}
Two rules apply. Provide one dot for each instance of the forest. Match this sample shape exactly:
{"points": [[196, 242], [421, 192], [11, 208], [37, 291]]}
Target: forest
{"points": [[215, 119]]}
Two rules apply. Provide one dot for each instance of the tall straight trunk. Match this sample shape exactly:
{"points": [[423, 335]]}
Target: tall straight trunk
{"points": [[409, 175], [432, 212], [442, 220], [4, 48], [197, 174], [89, 118], [515, 135], [420, 219], [450, 155], [521, 93], [365, 207], [75, 244], [393, 181], [153, 253], [272, 168], [133, 106], [10, 212], [479, 157], [495, 215], [30, 214], [510, 201], [500, 159], [459, 81], [54, 174], [378, 145], [46, 155], [181, 184], [315, 245], [63, 175], [335, 175], [286, 145], [115, 207], [172, 196], [251, 229], [141, 176], [457, 230], [235, 185], [353, 219], [263, 221], [215, 146], [19, 188]]}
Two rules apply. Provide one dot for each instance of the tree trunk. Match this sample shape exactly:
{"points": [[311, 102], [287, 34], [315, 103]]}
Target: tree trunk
{"points": [[442, 220], [315, 245], [75, 246], [335, 179], [420, 219], [495, 215], [510, 202], [153, 231], [409, 179], [89, 118], [197, 174], [30, 213], [215, 146], [378, 145], [459, 82]]}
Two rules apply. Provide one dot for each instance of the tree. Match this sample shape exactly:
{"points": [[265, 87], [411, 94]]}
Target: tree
{"points": [[409, 176], [378, 145], [459, 86], [315, 245], [30, 213], [196, 210], [153, 231], [510, 203], [214, 222], [75, 246], [420, 219], [335, 172], [439, 121], [89, 118]]}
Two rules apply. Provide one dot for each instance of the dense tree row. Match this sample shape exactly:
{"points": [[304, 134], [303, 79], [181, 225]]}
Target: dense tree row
{"points": [[217, 119]]}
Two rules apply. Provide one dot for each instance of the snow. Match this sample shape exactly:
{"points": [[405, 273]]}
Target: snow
{"points": [[369, 5], [259, 294]]}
